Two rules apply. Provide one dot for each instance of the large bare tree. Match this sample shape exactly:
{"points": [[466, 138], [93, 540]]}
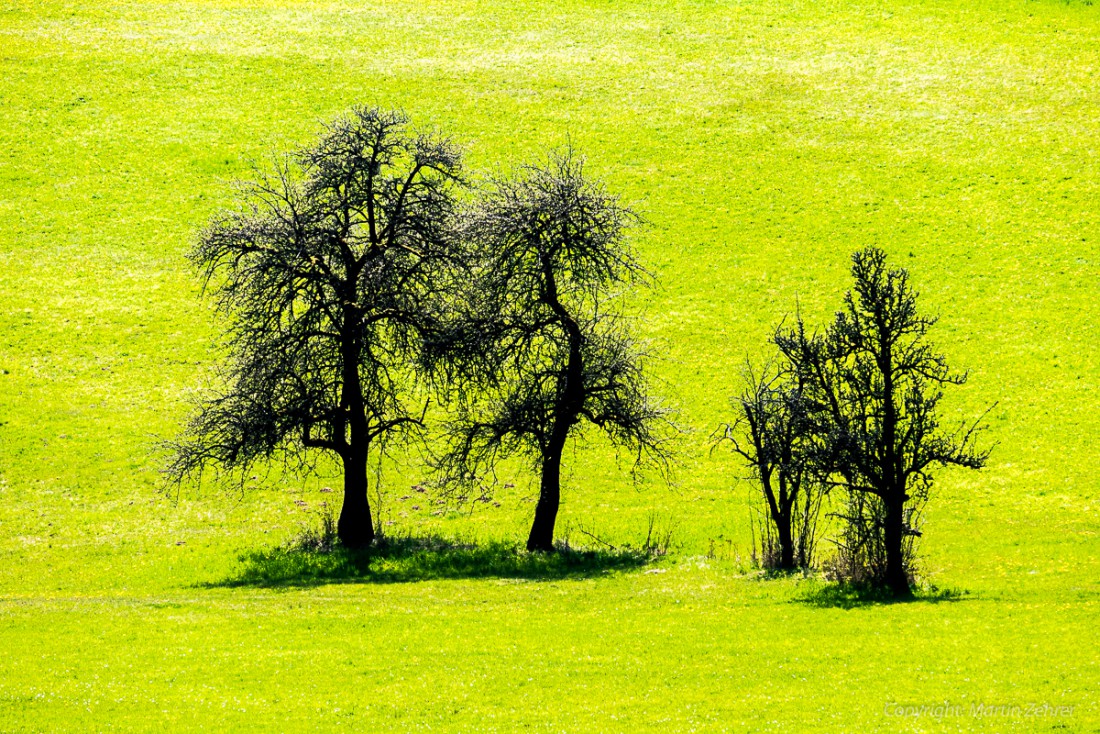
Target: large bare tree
{"points": [[327, 279], [542, 349], [875, 383]]}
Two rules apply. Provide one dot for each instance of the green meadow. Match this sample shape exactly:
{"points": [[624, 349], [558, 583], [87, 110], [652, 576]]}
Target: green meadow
{"points": [[763, 141]]}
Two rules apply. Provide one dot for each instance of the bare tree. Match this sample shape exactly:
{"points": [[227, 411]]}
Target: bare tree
{"points": [[875, 383], [542, 347], [774, 434], [326, 276]]}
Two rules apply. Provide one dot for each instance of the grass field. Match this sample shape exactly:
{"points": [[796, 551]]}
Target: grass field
{"points": [[764, 141]]}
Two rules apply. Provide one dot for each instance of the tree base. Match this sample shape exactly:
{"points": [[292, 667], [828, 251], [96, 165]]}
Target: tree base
{"points": [[540, 546]]}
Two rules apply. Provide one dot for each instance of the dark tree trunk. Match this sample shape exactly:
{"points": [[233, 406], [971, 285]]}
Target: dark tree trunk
{"points": [[546, 512], [786, 543], [897, 580], [781, 516], [355, 527], [565, 415]]}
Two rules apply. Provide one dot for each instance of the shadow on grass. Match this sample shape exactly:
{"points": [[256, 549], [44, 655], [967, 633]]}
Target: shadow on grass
{"points": [[409, 559], [851, 596]]}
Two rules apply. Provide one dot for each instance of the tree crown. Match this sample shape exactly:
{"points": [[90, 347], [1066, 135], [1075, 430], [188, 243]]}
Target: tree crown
{"points": [[542, 344], [325, 274]]}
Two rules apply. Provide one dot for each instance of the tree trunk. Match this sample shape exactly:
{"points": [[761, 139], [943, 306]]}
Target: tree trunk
{"points": [[355, 527], [897, 580], [786, 543], [570, 402], [546, 512]]}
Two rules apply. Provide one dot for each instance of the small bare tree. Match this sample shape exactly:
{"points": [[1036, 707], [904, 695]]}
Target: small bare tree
{"points": [[541, 347], [874, 383], [327, 277], [774, 434]]}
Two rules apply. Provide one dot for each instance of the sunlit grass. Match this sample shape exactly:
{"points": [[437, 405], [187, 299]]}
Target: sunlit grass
{"points": [[764, 142]]}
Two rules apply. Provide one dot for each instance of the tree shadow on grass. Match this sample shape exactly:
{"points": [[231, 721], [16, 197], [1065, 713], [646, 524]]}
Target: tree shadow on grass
{"points": [[853, 596], [410, 559]]}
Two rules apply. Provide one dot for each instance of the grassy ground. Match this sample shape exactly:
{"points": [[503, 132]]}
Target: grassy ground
{"points": [[764, 141]]}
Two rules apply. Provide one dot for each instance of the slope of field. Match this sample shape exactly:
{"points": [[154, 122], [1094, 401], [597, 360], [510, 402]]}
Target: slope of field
{"points": [[763, 141]]}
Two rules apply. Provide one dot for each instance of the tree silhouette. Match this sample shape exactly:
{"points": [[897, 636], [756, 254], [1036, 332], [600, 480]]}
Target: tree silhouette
{"points": [[875, 384], [541, 348], [327, 276], [774, 434]]}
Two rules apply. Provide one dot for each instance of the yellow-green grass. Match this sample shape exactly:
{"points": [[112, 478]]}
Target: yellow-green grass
{"points": [[764, 141]]}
